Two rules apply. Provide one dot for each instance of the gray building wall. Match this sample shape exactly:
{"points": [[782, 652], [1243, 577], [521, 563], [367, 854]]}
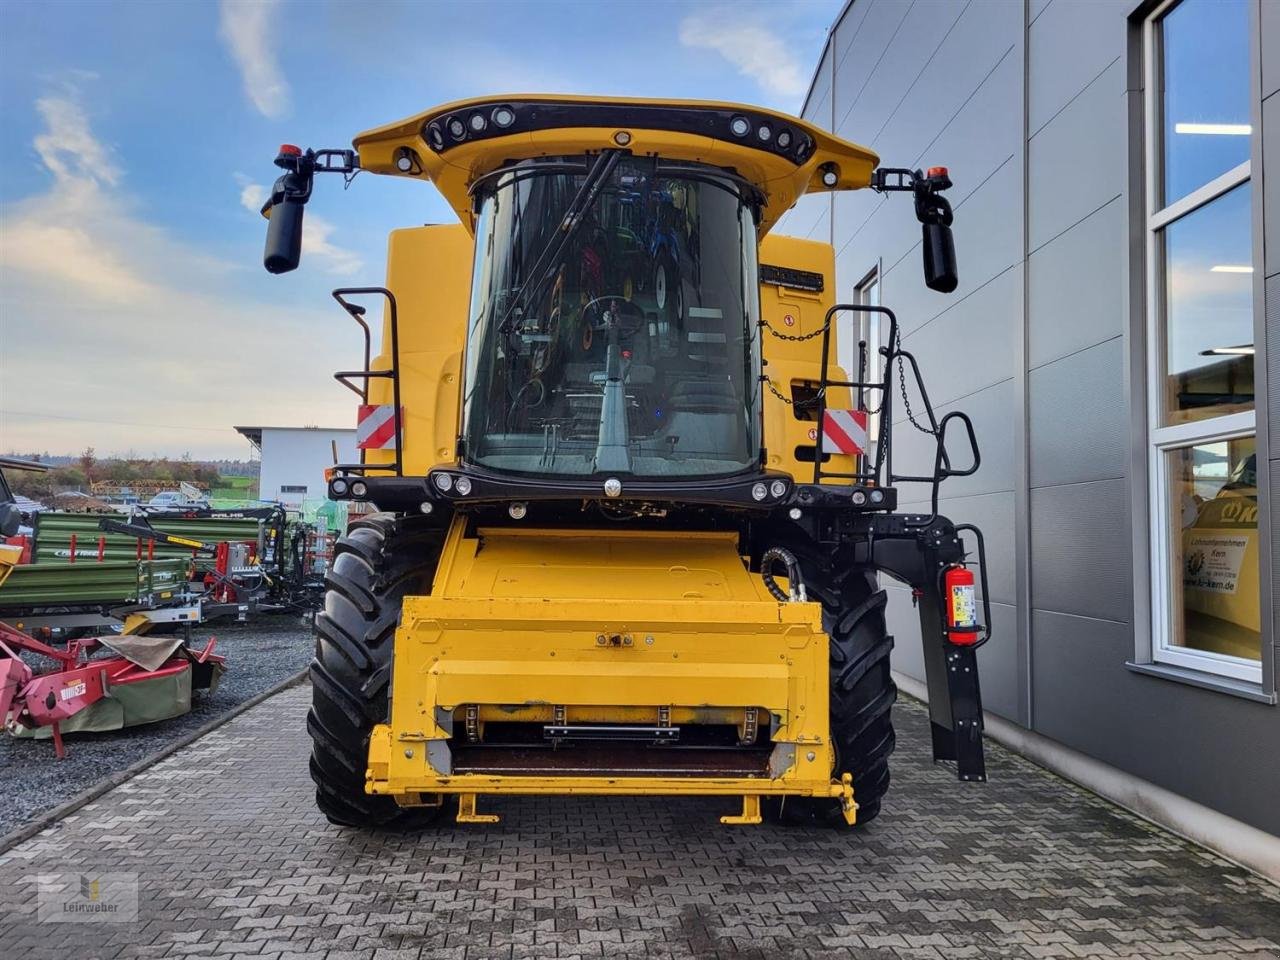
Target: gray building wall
{"points": [[1032, 105]]}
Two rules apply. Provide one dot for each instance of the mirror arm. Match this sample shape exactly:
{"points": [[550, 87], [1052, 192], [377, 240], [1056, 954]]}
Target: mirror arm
{"points": [[934, 213], [290, 193]]}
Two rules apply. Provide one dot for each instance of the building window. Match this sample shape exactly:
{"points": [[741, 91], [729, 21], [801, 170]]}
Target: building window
{"points": [[1206, 594], [292, 488]]}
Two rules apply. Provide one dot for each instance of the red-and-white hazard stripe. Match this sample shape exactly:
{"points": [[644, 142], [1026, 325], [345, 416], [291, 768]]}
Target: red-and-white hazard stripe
{"points": [[844, 431], [376, 426]]}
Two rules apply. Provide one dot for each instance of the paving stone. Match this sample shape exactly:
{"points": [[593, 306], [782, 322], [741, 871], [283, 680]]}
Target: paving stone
{"points": [[234, 860]]}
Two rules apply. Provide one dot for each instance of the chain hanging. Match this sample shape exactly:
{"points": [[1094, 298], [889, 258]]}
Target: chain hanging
{"points": [[906, 400], [801, 404], [796, 337]]}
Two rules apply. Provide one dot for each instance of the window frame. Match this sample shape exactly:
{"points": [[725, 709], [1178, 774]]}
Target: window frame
{"points": [[1161, 439]]}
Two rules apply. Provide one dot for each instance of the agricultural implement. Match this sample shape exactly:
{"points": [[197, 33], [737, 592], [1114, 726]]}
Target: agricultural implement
{"points": [[145, 681], [633, 514]]}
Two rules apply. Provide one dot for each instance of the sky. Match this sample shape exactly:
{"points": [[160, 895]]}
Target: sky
{"points": [[135, 316]]}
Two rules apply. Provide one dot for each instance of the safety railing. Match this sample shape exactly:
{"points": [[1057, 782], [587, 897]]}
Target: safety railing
{"points": [[881, 472], [349, 378]]}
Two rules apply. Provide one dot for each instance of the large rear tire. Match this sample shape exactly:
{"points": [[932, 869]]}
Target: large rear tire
{"points": [[381, 560], [862, 693]]}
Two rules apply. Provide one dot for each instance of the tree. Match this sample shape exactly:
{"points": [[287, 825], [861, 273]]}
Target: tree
{"points": [[87, 461]]}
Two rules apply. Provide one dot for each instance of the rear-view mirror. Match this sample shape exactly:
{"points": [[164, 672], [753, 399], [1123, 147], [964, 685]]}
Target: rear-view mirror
{"points": [[940, 271], [284, 232]]}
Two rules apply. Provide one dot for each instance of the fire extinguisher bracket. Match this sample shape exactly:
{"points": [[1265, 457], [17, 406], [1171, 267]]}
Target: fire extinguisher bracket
{"points": [[956, 586]]}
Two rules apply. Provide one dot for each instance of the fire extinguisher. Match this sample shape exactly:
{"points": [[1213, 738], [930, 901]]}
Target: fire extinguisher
{"points": [[961, 602]]}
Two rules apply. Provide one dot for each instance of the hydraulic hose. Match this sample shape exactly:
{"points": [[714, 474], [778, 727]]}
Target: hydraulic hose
{"points": [[788, 559]]}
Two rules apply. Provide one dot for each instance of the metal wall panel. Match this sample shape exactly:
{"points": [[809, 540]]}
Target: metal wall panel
{"points": [[1079, 417], [971, 344], [1270, 25], [997, 660], [965, 109], [817, 107], [992, 412], [983, 37], [904, 625], [993, 513], [915, 41], [1070, 45], [1271, 165], [1198, 743], [983, 160], [1078, 159], [862, 53], [987, 245], [1273, 364], [847, 29], [810, 217], [1080, 551], [1275, 554], [1076, 287]]}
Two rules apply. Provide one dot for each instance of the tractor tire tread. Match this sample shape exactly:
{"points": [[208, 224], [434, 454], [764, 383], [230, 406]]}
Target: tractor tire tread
{"points": [[380, 560]]}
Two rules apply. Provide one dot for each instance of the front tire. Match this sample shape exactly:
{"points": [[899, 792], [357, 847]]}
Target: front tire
{"points": [[381, 560], [862, 694]]}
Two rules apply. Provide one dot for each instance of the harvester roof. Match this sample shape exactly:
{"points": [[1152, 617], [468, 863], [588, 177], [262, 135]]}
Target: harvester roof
{"points": [[455, 144]]}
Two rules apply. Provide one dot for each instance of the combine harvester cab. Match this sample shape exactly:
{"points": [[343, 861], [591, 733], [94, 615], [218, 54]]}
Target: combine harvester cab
{"points": [[632, 513]]}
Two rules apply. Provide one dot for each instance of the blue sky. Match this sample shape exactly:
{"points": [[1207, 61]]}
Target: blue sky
{"points": [[134, 311]]}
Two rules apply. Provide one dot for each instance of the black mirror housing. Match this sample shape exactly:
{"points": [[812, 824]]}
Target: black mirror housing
{"points": [[283, 210], [939, 248], [284, 233]]}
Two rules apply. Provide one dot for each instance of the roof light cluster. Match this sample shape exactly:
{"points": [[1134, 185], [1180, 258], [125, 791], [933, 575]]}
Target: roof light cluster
{"points": [[780, 138], [482, 121]]}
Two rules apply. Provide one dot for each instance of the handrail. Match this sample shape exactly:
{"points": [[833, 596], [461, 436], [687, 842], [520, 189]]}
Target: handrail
{"points": [[882, 467], [825, 382], [345, 377]]}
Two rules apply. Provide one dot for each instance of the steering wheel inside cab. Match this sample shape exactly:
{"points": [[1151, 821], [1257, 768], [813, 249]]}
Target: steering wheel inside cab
{"points": [[614, 312]]}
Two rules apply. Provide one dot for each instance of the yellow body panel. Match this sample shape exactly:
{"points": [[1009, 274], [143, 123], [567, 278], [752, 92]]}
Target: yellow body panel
{"points": [[790, 433], [428, 271], [520, 621], [781, 180]]}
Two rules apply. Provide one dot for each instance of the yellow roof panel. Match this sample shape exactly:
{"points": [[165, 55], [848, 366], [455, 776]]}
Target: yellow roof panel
{"points": [[548, 125]]}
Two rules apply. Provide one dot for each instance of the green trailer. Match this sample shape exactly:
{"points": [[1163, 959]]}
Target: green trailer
{"points": [[54, 533], [111, 583]]}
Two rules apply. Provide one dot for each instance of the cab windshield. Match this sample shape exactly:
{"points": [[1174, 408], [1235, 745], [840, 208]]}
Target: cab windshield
{"points": [[613, 321]]}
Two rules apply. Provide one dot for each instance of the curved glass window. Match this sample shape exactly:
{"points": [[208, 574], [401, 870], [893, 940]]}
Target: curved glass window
{"points": [[613, 322]]}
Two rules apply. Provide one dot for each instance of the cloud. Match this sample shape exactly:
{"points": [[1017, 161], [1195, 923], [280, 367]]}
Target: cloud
{"points": [[253, 196], [315, 236], [749, 42], [247, 28], [67, 147], [71, 236], [107, 317]]}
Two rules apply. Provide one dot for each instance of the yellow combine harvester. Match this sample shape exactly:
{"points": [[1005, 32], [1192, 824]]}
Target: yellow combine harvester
{"points": [[632, 520]]}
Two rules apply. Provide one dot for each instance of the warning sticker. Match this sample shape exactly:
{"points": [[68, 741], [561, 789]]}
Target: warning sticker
{"points": [[73, 690], [1212, 562], [964, 605]]}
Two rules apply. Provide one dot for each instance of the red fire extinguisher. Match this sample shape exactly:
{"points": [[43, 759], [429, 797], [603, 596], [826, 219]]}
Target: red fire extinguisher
{"points": [[961, 602]]}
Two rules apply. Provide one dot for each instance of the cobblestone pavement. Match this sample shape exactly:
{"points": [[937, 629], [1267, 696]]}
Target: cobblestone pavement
{"points": [[233, 859]]}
